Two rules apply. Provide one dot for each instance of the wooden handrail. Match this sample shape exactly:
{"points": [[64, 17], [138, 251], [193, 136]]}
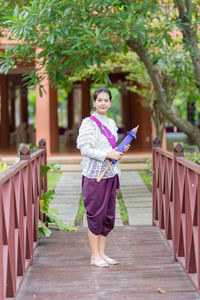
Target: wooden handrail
{"points": [[164, 152], [20, 192], [176, 206], [18, 166], [189, 164]]}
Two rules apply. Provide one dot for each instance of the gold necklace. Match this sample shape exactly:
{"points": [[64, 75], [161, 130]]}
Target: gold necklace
{"points": [[102, 129]]}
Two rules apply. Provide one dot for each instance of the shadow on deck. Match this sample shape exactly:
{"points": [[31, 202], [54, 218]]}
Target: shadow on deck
{"points": [[62, 271]]}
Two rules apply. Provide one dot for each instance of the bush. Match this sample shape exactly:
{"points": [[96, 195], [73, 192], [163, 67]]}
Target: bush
{"points": [[149, 164], [194, 156]]}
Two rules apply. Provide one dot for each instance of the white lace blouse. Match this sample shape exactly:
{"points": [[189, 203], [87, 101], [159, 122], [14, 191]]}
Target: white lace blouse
{"points": [[94, 146]]}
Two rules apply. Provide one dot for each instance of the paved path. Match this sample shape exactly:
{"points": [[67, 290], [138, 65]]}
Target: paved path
{"points": [[136, 196], [67, 196]]}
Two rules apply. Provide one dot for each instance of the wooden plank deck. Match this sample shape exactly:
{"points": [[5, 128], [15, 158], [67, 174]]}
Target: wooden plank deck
{"points": [[62, 271]]}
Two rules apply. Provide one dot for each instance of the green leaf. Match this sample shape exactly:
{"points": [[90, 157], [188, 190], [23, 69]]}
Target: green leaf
{"points": [[125, 48], [16, 10], [59, 224], [67, 11], [47, 198], [97, 31], [43, 170], [52, 38], [43, 230], [40, 91]]}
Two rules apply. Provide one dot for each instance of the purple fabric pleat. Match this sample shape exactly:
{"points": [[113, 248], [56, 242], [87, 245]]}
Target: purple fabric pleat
{"points": [[99, 200], [105, 131]]}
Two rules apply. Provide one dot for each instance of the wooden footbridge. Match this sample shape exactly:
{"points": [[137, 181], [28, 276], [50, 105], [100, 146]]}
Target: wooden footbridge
{"points": [[156, 262]]}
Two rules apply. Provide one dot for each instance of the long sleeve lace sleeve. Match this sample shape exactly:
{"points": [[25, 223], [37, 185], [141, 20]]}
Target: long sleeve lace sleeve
{"points": [[87, 139]]}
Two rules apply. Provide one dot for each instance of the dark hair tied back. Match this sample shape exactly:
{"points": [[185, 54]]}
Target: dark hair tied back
{"points": [[101, 90]]}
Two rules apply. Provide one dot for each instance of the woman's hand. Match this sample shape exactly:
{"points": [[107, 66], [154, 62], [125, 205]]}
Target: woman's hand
{"points": [[114, 155], [126, 148]]}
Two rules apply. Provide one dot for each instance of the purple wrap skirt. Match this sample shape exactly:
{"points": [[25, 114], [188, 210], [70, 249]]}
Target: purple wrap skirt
{"points": [[99, 200]]}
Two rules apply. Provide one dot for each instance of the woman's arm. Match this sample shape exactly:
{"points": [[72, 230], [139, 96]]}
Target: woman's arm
{"points": [[88, 151]]}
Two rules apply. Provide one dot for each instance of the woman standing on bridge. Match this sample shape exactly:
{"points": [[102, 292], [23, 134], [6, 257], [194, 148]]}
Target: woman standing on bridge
{"points": [[96, 141]]}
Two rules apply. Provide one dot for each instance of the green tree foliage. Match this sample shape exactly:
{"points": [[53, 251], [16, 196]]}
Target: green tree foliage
{"points": [[75, 35], [83, 31]]}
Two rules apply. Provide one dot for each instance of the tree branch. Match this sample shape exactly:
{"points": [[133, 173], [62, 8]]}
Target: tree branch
{"points": [[189, 7], [181, 8], [164, 107]]}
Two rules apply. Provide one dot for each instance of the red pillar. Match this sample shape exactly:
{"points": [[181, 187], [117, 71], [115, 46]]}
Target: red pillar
{"points": [[46, 111], [85, 98], [12, 107], [46, 116], [54, 130], [70, 110], [23, 105], [126, 110], [141, 117], [5, 130]]}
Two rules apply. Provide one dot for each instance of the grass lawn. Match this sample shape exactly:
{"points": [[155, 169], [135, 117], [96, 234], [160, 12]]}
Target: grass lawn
{"points": [[52, 179], [122, 208], [147, 178]]}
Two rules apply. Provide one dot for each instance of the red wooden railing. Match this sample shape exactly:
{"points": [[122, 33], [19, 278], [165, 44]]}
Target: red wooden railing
{"points": [[176, 206], [20, 192]]}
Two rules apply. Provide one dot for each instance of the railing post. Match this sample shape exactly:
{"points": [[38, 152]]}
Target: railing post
{"points": [[24, 152], [156, 143], [43, 145], [178, 151]]}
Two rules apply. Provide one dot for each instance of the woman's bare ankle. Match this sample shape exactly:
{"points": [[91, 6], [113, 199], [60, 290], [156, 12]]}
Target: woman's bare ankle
{"points": [[102, 254], [94, 257]]}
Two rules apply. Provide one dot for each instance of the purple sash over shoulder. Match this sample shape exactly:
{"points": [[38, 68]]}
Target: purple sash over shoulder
{"points": [[105, 131]]}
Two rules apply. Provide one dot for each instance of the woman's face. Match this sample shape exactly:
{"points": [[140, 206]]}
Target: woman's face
{"points": [[102, 103]]}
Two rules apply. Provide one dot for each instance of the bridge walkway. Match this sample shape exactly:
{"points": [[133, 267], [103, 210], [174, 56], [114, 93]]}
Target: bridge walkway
{"points": [[146, 271]]}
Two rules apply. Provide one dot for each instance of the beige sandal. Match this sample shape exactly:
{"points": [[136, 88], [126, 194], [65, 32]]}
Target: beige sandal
{"points": [[110, 261], [100, 262]]}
